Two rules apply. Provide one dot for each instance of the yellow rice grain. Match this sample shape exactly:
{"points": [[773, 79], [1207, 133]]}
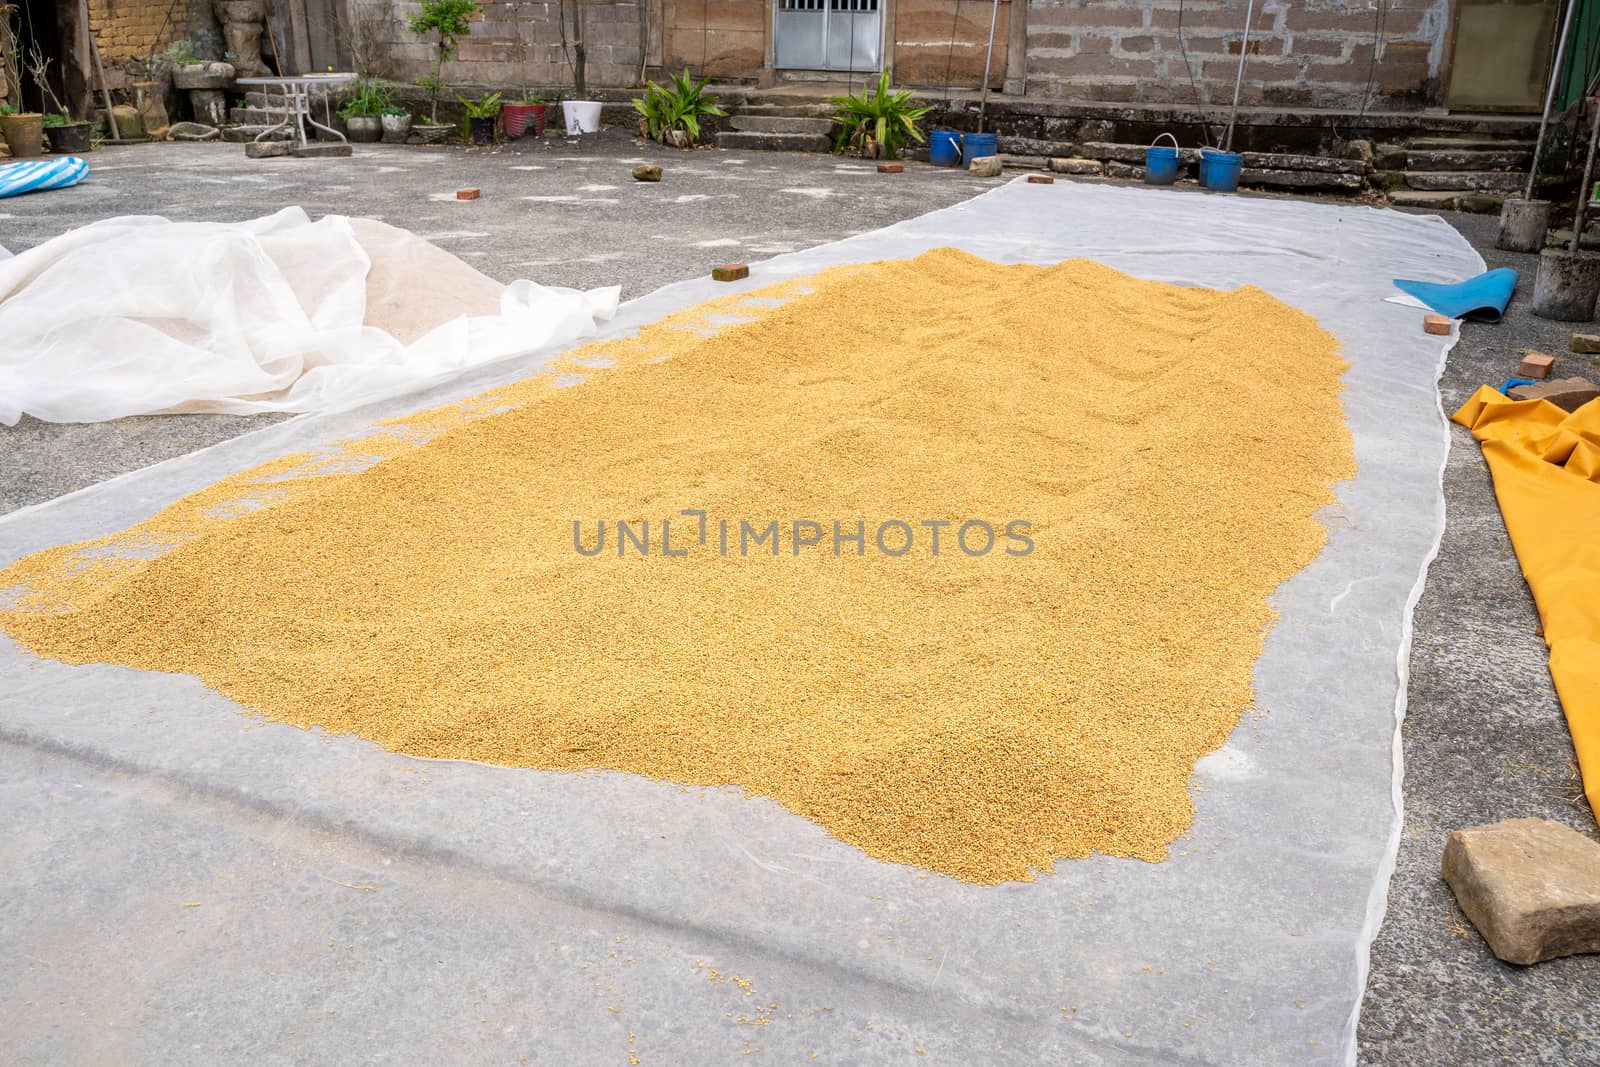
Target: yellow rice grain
{"points": [[979, 716]]}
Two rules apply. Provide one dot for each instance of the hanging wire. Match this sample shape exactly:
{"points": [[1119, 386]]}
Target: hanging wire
{"points": [[949, 58], [705, 33], [1372, 64], [1201, 101]]}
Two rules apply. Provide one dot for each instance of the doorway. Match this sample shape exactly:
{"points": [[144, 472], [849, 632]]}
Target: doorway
{"points": [[827, 35]]}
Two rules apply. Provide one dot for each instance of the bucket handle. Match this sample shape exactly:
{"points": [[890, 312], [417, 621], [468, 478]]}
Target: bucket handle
{"points": [[1168, 136]]}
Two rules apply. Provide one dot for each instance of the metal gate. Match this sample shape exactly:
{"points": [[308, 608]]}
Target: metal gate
{"points": [[827, 35]]}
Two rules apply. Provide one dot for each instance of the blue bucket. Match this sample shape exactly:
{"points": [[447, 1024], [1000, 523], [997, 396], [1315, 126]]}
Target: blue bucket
{"points": [[1161, 163], [944, 148], [978, 145], [1220, 170]]}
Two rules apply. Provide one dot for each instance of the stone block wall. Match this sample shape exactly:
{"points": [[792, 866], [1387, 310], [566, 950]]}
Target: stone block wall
{"points": [[131, 30], [1305, 53], [512, 43]]}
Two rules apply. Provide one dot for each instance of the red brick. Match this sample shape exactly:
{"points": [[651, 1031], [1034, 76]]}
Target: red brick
{"points": [[1535, 365], [1040, 179], [466, 194], [730, 272], [890, 168], [1436, 324]]}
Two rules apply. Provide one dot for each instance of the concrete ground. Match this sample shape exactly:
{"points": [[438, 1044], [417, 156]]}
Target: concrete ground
{"points": [[1484, 738]]}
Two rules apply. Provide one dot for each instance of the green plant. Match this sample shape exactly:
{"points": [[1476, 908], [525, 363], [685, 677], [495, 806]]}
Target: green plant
{"points": [[877, 116], [487, 108], [678, 105], [54, 120], [180, 53], [531, 99], [394, 109], [369, 100], [450, 19]]}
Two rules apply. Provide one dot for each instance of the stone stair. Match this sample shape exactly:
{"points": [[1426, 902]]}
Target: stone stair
{"points": [[1454, 173], [780, 127], [261, 112]]}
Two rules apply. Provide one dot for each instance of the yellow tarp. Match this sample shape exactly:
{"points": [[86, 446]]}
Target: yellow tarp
{"points": [[1546, 467]]}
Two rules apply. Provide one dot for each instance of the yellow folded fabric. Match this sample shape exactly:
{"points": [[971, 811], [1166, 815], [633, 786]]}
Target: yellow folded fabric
{"points": [[1546, 468]]}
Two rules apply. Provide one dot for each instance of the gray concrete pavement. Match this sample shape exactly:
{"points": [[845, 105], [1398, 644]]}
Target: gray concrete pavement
{"points": [[1483, 740]]}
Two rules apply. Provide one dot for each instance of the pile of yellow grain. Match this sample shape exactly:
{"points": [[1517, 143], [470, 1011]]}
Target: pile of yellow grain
{"points": [[982, 716]]}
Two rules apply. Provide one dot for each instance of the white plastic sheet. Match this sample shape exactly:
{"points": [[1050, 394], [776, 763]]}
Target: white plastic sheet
{"points": [[1247, 945], [137, 315]]}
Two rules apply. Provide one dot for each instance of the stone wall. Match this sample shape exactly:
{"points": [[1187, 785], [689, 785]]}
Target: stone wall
{"points": [[724, 39], [131, 30], [512, 43], [1308, 53]]}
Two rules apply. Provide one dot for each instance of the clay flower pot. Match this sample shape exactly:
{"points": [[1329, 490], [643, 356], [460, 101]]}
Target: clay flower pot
{"points": [[24, 134]]}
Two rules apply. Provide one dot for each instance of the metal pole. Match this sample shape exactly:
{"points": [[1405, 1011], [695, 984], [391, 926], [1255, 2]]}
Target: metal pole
{"points": [[1244, 50], [983, 100], [1588, 172], [1549, 98]]}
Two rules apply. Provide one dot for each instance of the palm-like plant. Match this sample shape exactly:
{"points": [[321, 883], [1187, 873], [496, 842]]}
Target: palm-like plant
{"points": [[877, 116], [678, 105]]}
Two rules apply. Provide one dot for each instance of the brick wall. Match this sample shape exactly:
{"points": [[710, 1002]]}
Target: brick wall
{"points": [[1305, 53], [128, 30], [512, 43]]}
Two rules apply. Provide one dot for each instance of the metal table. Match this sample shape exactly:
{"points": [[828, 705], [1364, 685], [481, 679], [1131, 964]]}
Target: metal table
{"points": [[298, 88]]}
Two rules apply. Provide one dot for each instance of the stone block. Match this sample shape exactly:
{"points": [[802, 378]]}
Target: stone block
{"points": [[267, 149], [1587, 343], [1077, 166], [985, 167], [647, 172], [1568, 394], [193, 131], [1530, 886], [324, 150], [1438, 325]]}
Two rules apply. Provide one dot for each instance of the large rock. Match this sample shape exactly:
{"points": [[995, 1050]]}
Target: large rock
{"points": [[1073, 165], [985, 167], [1530, 886], [211, 74], [193, 131], [1568, 394]]}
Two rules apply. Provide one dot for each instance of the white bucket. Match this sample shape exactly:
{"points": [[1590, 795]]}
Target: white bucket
{"points": [[583, 116]]}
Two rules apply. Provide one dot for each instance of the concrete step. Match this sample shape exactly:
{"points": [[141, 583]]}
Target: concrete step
{"points": [[1446, 200], [780, 124], [775, 142], [1466, 144], [255, 116], [797, 111], [1437, 159], [241, 134], [1302, 180], [1464, 180]]}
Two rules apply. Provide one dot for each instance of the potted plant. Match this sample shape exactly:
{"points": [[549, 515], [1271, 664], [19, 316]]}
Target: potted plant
{"points": [[66, 136], [449, 20], [481, 116], [396, 124], [363, 112], [582, 115], [522, 113], [878, 121], [24, 131], [671, 113]]}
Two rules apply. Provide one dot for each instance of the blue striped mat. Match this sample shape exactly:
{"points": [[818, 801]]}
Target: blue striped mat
{"points": [[35, 175]]}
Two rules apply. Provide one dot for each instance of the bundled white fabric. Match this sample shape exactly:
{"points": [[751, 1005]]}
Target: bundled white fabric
{"points": [[138, 315]]}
